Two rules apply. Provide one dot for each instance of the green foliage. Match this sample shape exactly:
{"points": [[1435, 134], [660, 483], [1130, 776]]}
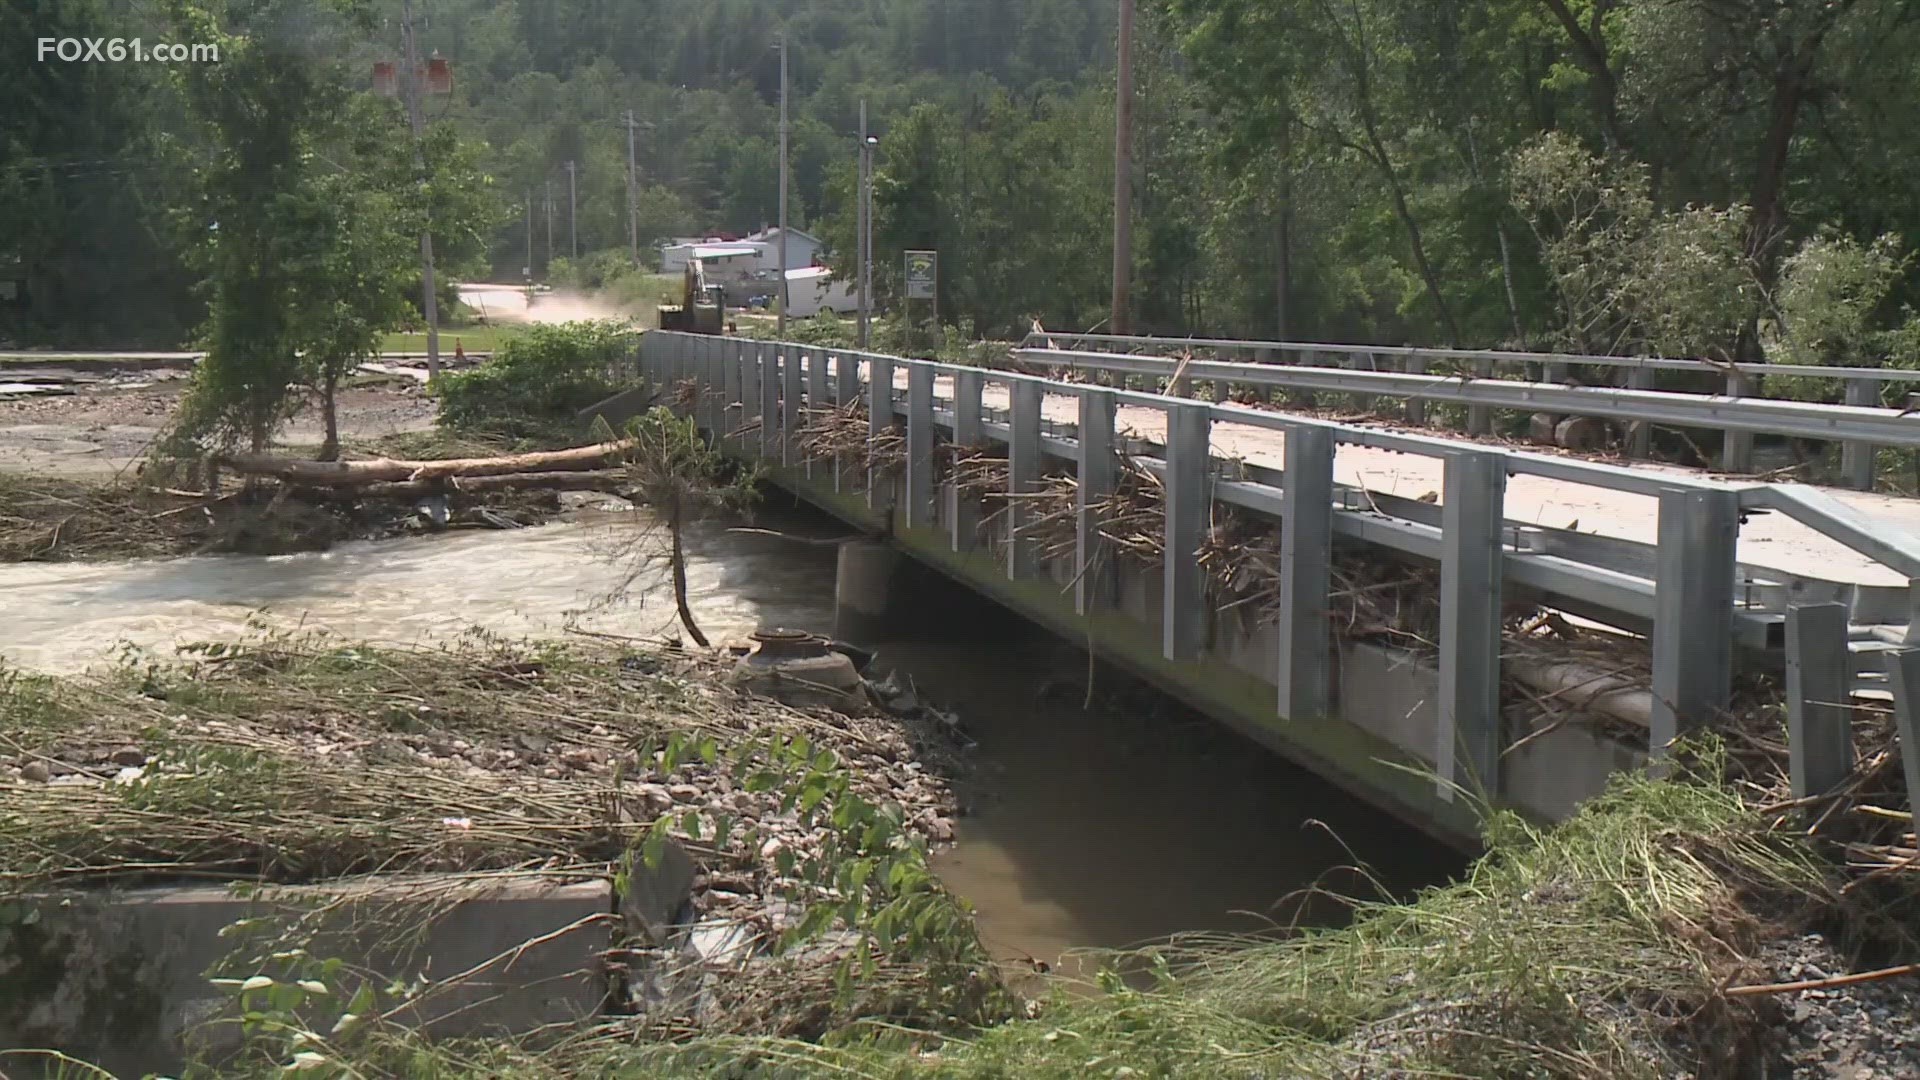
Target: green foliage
{"points": [[539, 380], [85, 182], [1829, 311], [953, 343]]}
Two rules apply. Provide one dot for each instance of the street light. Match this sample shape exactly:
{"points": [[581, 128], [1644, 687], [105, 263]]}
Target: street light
{"points": [[863, 233], [865, 215], [782, 46]]}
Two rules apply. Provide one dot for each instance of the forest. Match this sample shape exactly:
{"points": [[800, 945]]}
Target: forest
{"points": [[1729, 178]]}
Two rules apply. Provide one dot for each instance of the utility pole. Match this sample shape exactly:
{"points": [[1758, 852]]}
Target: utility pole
{"points": [[429, 303], [573, 214], [782, 328], [633, 195], [528, 273], [860, 224], [549, 203], [1123, 171]]}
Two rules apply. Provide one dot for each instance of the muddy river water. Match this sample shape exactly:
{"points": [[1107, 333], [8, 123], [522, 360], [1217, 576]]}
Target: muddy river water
{"points": [[1087, 828]]}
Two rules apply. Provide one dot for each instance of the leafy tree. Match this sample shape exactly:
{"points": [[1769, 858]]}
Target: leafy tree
{"points": [[261, 112]]}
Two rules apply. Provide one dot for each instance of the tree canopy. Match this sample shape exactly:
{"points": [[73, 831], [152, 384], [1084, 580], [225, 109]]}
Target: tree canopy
{"points": [[1604, 174]]}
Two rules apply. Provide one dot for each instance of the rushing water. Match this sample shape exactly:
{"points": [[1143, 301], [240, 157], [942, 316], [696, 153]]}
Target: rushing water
{"points": [[1088, 828]]}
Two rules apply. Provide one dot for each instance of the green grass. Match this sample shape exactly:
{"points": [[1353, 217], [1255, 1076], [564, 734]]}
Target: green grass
{"points": [[1593, 950], [471, 338]]}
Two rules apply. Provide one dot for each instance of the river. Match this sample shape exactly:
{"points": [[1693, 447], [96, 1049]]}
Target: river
{"points": [[1087, 829]]}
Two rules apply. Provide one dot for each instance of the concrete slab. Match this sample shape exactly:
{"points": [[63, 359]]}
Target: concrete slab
{"points": [[122, 979]]}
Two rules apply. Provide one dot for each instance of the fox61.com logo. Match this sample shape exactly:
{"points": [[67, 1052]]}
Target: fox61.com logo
{"points": [[72, 50]]}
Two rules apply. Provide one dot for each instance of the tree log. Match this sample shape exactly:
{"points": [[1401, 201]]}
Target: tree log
{"points": [[596, 480], [379, 470]]}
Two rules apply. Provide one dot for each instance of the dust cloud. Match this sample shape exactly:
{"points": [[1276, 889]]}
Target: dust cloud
{"points": [[508, 304]]}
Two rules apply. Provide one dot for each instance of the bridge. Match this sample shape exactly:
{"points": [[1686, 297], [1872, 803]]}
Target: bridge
{"points": [[1427, 620]]}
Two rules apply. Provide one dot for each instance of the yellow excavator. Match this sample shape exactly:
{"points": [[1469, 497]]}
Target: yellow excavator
{"points": [[702, 308]]}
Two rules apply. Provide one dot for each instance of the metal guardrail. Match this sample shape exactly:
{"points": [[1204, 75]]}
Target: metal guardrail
{"points": [[1862, 386], [1687, 594], [1806, 420], [1419, 354]]}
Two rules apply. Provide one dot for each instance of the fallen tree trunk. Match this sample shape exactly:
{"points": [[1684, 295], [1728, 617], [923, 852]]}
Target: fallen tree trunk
{"points": [[1582, 686], [596, 480], [387, 470]]}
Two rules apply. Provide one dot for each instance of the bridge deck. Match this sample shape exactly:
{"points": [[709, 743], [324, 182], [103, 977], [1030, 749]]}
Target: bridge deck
{"points": [[1766, 539]]}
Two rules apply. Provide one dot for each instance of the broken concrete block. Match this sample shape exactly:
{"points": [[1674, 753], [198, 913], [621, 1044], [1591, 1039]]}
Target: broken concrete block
{"points": [[123, 979]]}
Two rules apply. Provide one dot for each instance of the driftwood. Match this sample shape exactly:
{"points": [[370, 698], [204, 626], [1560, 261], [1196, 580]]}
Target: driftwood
{"points": [[389, 470], [595, 480]]}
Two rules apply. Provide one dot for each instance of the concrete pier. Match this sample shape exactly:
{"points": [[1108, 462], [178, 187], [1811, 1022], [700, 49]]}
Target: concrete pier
{"points": [[863, 589]]}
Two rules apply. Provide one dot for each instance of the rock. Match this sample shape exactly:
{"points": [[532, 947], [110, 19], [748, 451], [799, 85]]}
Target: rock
{"points": [[721, 943], [941, 829], [684, 793], [604, 502], [128, 756], [36, 772], [656, 896]]}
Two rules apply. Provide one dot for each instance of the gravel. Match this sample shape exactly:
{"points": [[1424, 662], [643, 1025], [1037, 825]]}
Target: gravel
{"points": [[1862, 1031]]}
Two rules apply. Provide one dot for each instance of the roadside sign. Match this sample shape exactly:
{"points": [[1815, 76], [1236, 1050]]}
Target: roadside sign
{"points": [[923, 275]]}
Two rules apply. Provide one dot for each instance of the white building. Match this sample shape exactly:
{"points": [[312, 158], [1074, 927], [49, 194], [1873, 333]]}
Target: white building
{"points": [[803, 249]]}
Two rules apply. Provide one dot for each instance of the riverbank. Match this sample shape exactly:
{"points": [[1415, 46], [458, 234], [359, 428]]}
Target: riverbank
{"points": [[304, 761], [1620, 944]]}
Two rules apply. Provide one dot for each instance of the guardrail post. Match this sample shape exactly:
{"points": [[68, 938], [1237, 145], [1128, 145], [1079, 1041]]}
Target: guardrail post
{"points": [[1693, 611], [1365, 402], [1903, 677], [1480, 417], [1467, 750], [727, 355], [1093, 560], [1856, 458], [920, 489], [1189, 498], [1416, 407], [846, 391], [968, 432], [1023, 472], [768, 360], [1306, 547], [846, 379], [708, 359], [879, 424], [1819, 698], [1736, 450], [790, 390], [1639, 432], [816, 392]]}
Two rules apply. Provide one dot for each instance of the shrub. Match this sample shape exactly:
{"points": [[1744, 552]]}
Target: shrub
{"points": [[539, 380]]}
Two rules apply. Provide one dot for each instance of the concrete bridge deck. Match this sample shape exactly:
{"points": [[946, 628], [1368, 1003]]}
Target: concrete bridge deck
{"points": [[1766, 539]]}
